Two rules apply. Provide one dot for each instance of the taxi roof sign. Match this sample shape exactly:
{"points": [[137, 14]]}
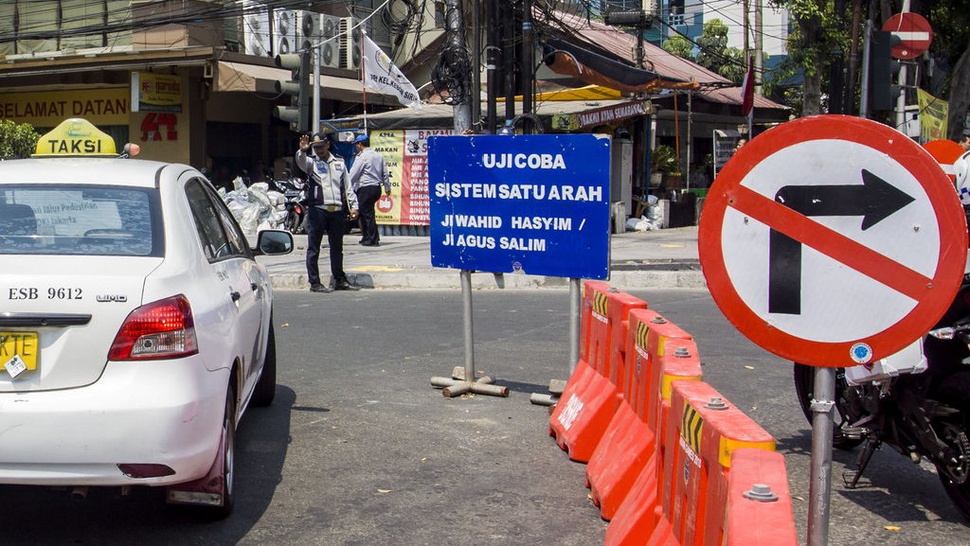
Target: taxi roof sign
{"points": [[76, 137]]}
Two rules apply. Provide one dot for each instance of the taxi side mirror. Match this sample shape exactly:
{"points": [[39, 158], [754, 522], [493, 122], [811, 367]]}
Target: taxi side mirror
{"points": [[274, 242]]}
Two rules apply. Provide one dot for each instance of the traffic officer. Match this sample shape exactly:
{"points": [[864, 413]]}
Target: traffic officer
{"points": [[327, 186], [367, 176]]}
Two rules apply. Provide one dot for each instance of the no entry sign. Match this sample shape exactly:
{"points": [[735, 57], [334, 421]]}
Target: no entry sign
{"points": [[914, 32], [833, 241]]}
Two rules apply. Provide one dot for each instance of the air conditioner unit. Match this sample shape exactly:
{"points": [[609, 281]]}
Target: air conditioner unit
{"points": [[329, 36], [350, 34], [256, 29], [307, 27], [284, 32]]}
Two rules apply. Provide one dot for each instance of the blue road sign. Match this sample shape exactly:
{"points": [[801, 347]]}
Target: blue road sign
{"points": [[532, 204]]}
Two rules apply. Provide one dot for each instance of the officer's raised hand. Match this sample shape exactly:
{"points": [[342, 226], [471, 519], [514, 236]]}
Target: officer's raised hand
{"points": [[304, 142]]}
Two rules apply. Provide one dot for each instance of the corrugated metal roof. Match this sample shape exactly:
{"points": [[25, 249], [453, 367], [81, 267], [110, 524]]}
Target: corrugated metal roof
{"points": [[623, 45], [714, 87]]}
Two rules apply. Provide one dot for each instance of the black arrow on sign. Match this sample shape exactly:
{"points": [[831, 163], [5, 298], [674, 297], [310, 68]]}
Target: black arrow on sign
{"points": [[874, 200]]}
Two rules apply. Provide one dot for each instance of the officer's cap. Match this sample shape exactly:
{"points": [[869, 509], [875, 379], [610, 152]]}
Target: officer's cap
{"points": [[319, 139], [363, 139]]}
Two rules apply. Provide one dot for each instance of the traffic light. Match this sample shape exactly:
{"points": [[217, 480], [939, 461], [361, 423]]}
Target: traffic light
{"points": [[298, 88], [882, 70]]}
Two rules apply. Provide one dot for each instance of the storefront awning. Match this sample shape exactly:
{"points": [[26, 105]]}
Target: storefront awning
{"points": [[231, 76], [555, 116]]}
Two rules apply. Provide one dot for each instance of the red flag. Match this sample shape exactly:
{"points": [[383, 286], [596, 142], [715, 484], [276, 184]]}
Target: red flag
{"points": [[747, 90]]}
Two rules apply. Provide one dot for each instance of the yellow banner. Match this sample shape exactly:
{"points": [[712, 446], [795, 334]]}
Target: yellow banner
{"points": [[389, 144], [933, 114], [48, 109]]}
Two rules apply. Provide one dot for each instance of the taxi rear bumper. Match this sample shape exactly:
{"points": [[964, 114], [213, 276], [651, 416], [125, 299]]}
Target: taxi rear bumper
{"points": [[162, 412]]}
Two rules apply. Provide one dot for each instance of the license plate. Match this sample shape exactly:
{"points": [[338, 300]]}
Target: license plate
{"points": [[24, 344]]}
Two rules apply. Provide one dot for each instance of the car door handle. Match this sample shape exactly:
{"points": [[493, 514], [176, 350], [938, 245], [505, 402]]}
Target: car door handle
{"points": [[235, 296]]}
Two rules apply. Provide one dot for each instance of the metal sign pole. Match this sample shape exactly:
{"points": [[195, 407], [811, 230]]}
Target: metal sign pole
{"points": [[463, 380], [820, 484], [574, 304]]}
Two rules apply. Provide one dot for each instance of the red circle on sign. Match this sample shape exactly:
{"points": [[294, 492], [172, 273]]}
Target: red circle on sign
{"points": [[915, 34], [932, 294], [385, 204]]}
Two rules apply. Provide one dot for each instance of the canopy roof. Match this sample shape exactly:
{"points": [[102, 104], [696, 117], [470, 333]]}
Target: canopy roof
{"points": [[580, 63]]}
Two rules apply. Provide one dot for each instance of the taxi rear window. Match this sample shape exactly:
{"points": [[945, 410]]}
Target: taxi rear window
{"points": [[78, 220]]}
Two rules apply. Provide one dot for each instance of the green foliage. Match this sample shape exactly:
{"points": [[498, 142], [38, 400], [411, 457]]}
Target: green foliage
{"points": [[712, 42], [713, 52], [679, 46], [663, 159], [734, 66], [17, 141]]}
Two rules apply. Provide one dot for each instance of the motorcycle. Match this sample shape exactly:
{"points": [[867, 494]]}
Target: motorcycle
{"points": [[294, 191], [916, 401]]}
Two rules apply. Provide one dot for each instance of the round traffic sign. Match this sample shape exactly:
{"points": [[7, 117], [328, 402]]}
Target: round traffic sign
{"points": [[914, 32], [832, 241]]}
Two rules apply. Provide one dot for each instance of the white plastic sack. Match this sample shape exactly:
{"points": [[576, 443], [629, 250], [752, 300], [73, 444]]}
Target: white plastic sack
{"points": [[276, 198]]}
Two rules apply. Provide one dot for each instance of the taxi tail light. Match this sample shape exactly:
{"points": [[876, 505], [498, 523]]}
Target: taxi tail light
{"points": [[162, 329]]}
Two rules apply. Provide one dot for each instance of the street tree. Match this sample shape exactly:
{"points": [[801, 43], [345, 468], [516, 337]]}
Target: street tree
{"points": [[817, 32], [17, 140], [712, 51]]}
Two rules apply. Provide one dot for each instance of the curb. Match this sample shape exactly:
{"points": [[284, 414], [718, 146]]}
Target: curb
{"points": [[448, 279]]}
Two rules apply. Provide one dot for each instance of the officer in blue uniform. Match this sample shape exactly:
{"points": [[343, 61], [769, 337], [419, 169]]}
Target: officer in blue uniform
{"points": [[327, 187]]}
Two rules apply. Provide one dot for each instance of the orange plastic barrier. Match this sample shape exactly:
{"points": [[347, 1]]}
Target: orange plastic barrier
{"points": [[591, 398], [658, 352], [759, 508], [703, 431]]}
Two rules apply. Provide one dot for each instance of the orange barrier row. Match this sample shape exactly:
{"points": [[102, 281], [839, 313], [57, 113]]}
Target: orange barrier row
{"points": [[670, 461], [592, 394], [658, 352]]}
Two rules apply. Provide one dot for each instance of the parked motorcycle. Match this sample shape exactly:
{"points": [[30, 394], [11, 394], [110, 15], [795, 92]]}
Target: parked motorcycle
{"points": [[294, 191], [916, 401]]}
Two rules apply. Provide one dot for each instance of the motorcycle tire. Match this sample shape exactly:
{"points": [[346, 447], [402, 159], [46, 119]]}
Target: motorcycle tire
{"points": [[955, 432], [844, 413]]}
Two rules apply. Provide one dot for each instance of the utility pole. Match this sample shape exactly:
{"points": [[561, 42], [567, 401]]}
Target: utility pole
{"points": [[492, 58], [455, 29], [528, 65], [476, 101], [759, 46], [901, 101]]}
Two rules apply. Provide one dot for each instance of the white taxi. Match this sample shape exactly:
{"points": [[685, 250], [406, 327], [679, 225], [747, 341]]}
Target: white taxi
{"points": [[135, 324]]}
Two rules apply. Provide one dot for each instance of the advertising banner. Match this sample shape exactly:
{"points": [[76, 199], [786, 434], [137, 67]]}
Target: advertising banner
{"points": [[406, 155]]}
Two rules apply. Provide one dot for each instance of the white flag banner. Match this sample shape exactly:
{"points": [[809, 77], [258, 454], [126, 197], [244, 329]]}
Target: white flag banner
{"points": [[380, 74]]}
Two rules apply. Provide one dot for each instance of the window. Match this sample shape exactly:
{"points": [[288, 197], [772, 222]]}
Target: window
{"points": [[85, 220], [219, 233]]}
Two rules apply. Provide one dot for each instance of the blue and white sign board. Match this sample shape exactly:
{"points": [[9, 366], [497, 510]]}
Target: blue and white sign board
{"points": [[531, 204]]}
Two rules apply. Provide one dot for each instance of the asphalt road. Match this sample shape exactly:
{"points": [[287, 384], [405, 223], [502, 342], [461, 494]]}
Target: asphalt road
{"points": [[360, 449]]}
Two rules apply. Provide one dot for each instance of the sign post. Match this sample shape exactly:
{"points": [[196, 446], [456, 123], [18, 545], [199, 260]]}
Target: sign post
{"points": [[832, 241], [525, 204]]}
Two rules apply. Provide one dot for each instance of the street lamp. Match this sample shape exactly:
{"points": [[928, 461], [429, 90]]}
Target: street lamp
{"points": [[638, 19]]}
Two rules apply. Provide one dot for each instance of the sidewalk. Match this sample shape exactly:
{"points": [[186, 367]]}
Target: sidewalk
{"points": [[664, 258]]}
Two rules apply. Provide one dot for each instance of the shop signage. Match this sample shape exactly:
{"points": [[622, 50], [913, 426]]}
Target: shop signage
{"points": [[599, 116], [156, 92], [102, 107]]}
